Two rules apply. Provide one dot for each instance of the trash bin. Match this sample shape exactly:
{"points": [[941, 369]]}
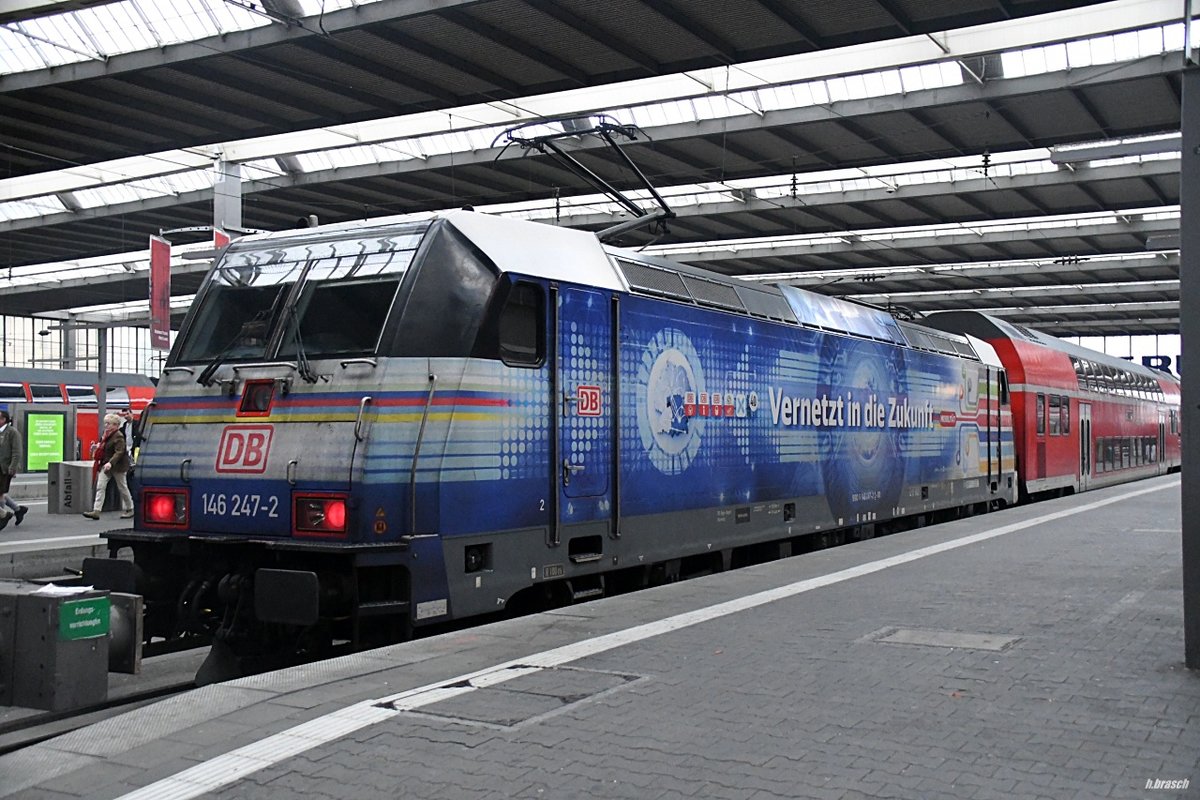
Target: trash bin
{"points": [[55, 648], [69, 487]]}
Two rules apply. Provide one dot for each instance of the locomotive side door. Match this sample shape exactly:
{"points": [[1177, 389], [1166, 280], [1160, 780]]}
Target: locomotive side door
{"points": [[584, 405], [1085, 446]]}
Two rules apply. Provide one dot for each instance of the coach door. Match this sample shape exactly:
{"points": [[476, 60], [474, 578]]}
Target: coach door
{"points": [[1085, 446], [584, 405], [1161, 452]]}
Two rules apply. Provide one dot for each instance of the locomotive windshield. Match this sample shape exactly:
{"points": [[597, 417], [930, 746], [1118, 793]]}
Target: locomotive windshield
{"points": [[243, 299], [326, 296], [344, 303]]}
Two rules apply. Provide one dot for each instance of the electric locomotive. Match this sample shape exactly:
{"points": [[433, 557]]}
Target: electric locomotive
{"points": [[365, 429]]}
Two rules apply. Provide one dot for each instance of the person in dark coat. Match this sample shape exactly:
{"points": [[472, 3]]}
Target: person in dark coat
{"points": [[112, 462], [12, 453]]}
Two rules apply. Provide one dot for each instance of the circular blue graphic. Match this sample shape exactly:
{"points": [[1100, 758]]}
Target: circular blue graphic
{"points": [[669, 378], [863, 468]]}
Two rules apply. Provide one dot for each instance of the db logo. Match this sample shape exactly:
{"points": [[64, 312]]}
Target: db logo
{"points": [[589, 401], [244, 448]]}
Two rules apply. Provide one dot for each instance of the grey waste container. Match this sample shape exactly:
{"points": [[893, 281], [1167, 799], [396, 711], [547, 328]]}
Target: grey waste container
{"points": [[69, 489], [53, 648]]}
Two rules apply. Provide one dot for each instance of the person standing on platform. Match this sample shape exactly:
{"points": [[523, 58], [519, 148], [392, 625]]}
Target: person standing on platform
{"points": [[12, 452], [112, 461]]}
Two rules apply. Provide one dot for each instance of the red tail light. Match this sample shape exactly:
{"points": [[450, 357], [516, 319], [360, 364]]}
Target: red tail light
{"points": [[319, 515], [167, 507]]}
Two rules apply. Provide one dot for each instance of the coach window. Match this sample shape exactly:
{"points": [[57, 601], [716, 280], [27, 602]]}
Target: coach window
{"points": [[81, 394], [15, 393], [1064, 425], [46, 392], [522, 341], [1040, 410], [1055, 411], [1003, 389]]}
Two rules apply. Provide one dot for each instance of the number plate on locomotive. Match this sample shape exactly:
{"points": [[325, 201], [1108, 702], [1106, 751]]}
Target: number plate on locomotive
{"points": [[221, 504]]}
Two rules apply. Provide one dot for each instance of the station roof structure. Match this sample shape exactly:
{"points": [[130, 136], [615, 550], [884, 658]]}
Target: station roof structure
{"points": [[1017, 156]]}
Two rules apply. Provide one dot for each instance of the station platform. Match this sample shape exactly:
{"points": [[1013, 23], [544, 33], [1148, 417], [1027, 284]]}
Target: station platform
{"points": [[1031, 653], [47, 544]]}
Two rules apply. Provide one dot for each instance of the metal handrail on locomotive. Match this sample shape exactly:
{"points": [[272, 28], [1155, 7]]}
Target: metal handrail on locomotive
{"points": [[366, 429]]}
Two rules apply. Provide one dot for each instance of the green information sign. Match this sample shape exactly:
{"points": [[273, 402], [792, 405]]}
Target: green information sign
{"points": [[44, 439], [83, 619]]}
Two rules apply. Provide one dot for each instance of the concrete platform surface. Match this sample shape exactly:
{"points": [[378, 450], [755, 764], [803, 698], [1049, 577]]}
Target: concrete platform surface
{"points": [[1032, 653]]}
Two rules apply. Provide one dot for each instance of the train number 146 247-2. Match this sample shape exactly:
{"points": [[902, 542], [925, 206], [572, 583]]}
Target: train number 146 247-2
{"points": [[240, 505]]}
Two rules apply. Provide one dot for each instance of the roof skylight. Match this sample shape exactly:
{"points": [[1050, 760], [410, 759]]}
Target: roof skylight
{"points": [[758, 87], [100, 32]]}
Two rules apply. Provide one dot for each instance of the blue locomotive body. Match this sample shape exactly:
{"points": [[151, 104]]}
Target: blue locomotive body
{"points": [[365, 429]]}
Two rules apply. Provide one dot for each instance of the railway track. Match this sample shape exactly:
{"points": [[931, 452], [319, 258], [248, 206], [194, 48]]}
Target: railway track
{"points": [[38, 727]]}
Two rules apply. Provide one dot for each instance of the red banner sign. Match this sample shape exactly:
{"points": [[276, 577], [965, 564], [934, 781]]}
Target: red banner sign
{"points": [[160, 293]]}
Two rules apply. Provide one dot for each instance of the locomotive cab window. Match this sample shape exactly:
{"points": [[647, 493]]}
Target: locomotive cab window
{"points": [[340, 317], [521, 335], [233, 322], [345, 300]]}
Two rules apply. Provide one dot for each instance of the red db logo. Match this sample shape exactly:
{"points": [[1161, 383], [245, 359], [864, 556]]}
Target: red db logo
{"points": [[244, 448], [589, 401]]}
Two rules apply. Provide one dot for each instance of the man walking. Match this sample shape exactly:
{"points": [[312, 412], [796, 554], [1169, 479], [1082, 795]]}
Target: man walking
{"points": [[112, 461], [12, 453]]}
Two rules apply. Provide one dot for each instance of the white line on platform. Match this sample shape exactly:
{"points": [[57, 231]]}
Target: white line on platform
{"points": [[49, 541], [231, 767]]}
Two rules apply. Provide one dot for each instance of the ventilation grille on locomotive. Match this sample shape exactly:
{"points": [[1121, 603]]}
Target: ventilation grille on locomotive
{"points": [[711, 293], [937, 342], [655, 281], [766, 304]]}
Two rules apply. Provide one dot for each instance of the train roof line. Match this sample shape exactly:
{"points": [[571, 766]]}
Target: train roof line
{"points": [[575, 256], [1024, 333]]}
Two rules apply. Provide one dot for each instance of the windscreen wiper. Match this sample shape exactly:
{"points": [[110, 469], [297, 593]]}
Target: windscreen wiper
{"points": [[255, 328], [303, 367]]}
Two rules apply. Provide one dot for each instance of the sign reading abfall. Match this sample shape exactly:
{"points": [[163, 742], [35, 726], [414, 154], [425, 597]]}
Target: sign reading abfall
{"points": [[244, 448], [160, 293]]}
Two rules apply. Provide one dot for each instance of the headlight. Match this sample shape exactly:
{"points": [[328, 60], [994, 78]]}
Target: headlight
{"points": [[319, 515], [165, 507]]}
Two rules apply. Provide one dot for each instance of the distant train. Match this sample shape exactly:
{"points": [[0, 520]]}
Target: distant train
{"points": [[33, 387], [1081, 419], [366, 429]]}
